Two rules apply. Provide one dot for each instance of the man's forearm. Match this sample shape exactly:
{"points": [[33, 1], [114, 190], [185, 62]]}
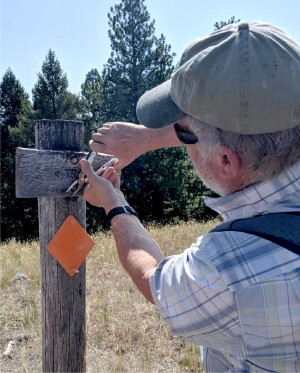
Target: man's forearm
{"points": [[128, 141], [138, 252], [160, 138]]}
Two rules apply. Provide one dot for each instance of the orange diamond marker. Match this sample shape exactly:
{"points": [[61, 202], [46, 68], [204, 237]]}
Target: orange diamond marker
{"points": [[71, 245]]}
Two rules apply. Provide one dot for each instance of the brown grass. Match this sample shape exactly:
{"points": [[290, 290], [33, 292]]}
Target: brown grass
{"points": [[124, 331]]}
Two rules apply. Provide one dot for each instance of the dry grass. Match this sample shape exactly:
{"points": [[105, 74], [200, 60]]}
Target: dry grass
{"points": [[124, 331]]}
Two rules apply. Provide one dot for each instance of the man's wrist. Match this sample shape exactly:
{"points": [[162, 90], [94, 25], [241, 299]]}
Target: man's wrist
{"points": [[161, 138], [113, 202], [125, 209]]}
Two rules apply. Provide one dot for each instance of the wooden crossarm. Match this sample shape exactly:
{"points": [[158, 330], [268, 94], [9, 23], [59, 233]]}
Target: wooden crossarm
{"points": [[48, 173]]}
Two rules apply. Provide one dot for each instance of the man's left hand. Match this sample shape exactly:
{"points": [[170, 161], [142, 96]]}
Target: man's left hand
{"points": [[102, 190]]}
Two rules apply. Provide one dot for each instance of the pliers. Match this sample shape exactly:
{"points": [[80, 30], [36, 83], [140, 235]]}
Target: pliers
{"points": [[80, 182]]}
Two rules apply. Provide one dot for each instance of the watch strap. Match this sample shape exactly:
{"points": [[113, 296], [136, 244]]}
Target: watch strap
{"points": [[119, 210]]}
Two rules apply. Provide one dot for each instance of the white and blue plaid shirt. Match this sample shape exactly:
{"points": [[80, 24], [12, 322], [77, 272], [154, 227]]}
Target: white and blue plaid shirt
{"points": [[236, 294]]}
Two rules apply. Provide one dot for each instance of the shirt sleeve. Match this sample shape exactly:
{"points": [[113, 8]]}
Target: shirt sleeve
{"points": [[191, 296]]}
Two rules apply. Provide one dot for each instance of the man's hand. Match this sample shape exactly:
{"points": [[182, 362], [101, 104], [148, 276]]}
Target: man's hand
{"points": [[102, 190], [123, 140], [127, 141]]}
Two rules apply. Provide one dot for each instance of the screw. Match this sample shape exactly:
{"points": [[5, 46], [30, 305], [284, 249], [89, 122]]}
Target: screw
{"points": [[73, 161]]}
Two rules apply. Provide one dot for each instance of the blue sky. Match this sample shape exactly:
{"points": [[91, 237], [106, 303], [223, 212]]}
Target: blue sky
{"points": [[77, 30]]}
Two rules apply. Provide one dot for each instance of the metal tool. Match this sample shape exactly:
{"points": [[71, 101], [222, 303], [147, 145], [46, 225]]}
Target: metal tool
{"points": [[80, 182], [77, 185], [106, 165]]}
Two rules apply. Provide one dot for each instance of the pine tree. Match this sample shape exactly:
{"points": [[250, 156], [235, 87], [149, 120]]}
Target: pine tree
{"points": [[139, 60], [18, 216], [91, 102], [161, 185], [51, 100]]}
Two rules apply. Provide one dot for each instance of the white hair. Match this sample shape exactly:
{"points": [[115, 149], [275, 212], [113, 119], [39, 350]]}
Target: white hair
{"points": [[264, 155]]}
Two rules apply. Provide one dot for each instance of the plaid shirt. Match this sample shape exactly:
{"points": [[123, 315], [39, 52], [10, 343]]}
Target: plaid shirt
{"points": [[234, 293]]}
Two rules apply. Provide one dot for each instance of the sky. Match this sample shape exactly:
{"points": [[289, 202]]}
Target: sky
{"points": [[77, 30]]}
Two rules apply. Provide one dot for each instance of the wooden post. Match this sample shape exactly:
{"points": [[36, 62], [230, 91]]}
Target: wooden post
{"points": [[63, 296], [46, 173]]}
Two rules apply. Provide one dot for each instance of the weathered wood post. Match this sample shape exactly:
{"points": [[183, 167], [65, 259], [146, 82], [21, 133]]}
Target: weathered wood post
{"points": [[46, 173], [63, 297]]}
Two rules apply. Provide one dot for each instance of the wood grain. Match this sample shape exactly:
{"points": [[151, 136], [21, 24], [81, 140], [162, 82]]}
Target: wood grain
{"points": [[48, 173], [63, 296]]}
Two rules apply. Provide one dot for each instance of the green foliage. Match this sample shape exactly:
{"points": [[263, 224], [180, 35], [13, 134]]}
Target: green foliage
{"points": [[139, 60], [91, 108], [91, 102], [12, 98], [51, 100], [219, 25], [161, 185], [18, 216], [165, 187]]}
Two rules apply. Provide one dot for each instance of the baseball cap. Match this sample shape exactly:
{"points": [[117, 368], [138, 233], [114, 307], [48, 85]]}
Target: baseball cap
{"points": [[243, 78]]}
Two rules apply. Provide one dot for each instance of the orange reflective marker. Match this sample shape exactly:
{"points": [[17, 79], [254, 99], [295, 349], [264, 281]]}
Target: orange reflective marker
{"points": [[71, 245]]}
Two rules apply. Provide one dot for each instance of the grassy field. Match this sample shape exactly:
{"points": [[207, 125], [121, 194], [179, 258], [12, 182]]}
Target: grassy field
{"points": [[124, 331]]}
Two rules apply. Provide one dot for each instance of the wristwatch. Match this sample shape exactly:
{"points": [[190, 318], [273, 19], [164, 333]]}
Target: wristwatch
{"points": [[119, 210]]}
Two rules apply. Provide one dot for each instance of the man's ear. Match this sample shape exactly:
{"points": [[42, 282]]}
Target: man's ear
{"points": [[228, 162]]}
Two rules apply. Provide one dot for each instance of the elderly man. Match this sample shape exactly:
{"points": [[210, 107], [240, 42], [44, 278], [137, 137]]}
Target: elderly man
{"points": [[234, 101]]}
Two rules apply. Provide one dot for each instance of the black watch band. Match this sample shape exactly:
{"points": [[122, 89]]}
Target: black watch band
{"points": [[119, 210]]}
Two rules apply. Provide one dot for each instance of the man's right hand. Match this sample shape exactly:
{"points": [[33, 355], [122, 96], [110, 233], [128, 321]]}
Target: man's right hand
{"points": [[127, 141]]}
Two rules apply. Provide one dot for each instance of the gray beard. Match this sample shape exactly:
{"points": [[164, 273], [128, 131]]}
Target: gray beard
{"points": [[208, 179]]}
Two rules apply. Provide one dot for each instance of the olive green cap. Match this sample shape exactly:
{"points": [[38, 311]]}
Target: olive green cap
{"points": [[243, 78]]}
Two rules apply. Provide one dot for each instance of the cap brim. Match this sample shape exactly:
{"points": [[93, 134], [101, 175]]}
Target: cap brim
{"points": [[156, 109]]}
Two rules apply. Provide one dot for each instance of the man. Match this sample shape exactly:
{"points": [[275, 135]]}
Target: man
{"points": [[234, 100]]}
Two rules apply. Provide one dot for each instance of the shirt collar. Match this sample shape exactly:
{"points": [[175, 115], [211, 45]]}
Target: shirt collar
{"points": [[281, 193]]}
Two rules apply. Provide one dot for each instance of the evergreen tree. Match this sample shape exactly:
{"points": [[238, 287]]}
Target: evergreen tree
{"points": [[51, 100], [12, 97], [18, 216], [91, 102], [139, 60], [161, 184]]}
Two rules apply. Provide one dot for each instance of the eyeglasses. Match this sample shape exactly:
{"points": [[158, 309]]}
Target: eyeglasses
{"points": [[184, 135]]}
